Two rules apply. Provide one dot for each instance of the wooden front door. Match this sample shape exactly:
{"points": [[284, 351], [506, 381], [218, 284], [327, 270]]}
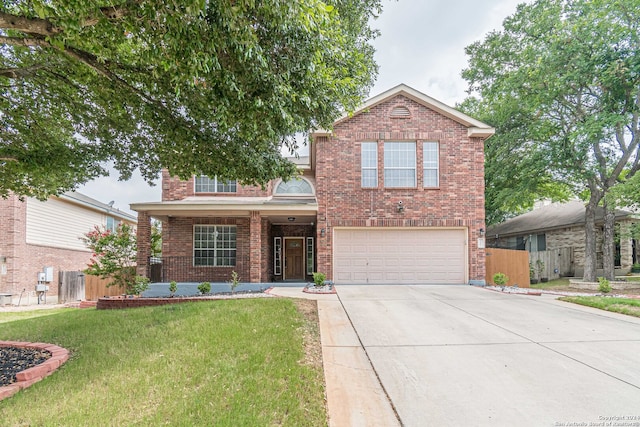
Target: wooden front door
{"points": [[294, 259]]}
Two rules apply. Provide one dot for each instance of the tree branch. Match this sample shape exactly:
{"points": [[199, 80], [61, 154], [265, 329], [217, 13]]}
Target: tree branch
{"points": [[17, 73], [24, 41], [28, 25]]}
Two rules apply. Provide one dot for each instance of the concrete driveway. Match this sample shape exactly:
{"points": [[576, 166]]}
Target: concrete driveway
{"points": [[461, 355]]}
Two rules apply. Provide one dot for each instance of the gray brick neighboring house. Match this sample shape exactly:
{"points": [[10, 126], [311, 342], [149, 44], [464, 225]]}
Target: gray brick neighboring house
{"points": [[561, 225], [36, 234]]}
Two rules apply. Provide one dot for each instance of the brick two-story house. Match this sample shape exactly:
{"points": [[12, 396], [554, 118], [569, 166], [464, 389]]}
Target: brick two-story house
{"points": [[394, 193]]}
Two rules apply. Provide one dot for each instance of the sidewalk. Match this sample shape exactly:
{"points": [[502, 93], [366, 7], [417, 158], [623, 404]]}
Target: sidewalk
{"points": [[354, 394]]}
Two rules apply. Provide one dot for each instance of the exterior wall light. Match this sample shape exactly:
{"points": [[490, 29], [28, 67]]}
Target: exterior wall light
{"points": [[400, 207]]}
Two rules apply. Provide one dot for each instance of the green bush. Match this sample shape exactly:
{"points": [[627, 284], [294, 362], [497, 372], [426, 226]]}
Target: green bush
{"points": [[319, 278], [204, 287], [235, 281], [173, 287], [604, 286], [635, 268], [500, 279], [140, 285]]}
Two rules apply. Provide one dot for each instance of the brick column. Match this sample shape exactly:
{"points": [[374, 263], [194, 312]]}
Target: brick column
{"points": [[144, 243], [255, 248]]}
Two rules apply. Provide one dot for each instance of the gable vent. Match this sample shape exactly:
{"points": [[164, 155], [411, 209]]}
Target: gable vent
{"points": [[400, 113]]}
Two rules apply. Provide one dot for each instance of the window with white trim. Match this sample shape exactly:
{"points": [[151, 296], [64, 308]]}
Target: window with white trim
{"points": [[112, 224], [399, 164], [214, 245], [294, 186], [277, 256], [430, 164], [369, 164], [204, 184], [310, 256]]}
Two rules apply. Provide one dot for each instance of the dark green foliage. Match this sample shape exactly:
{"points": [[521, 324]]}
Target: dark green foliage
{"points": [[195, 87]]}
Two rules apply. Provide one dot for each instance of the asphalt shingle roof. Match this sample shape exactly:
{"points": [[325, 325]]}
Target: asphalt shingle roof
{"points": [[553, 216]]}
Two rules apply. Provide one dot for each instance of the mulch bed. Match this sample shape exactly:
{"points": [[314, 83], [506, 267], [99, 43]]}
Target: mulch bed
{"points": [[16, 359]]}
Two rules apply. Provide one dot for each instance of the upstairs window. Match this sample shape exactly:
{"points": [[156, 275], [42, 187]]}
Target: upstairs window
{"points": [[112, 224], [295, 186], [400, 164], [430, 164], [369, 164], [204, 184]]}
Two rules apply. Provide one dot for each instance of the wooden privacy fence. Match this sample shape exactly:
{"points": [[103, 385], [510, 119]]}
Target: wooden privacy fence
{"points": [[555, 263], [95, 287], [515, 264], [78, 286], [70, 286]]}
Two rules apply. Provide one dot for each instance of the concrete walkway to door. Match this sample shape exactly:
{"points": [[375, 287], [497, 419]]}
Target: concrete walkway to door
{"points": [[460, 355]]}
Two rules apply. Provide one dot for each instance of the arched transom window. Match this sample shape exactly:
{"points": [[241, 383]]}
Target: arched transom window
{"points": [[295, 186]]}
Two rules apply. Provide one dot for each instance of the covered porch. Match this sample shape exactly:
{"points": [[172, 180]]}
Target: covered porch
{"points": [[264, 240]]}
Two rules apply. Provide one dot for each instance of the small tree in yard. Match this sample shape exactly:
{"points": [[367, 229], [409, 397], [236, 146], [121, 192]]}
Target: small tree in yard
{"points": [[114, 255]]}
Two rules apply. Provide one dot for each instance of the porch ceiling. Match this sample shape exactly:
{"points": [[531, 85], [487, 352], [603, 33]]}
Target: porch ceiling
{"points": [[303, 211]]}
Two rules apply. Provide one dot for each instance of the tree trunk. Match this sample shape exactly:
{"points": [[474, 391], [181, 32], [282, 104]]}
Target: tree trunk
{"points": [[590, 254], [608, 242]]}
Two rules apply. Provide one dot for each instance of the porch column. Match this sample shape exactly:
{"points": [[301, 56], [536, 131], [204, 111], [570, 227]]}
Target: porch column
{"points": [[143, 243], [255, 248]]}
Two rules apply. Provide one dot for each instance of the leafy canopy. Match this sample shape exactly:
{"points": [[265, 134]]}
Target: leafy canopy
{"points": [[561, 83], [211, 87]]}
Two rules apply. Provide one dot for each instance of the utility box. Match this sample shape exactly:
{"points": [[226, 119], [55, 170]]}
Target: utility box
{"points": [[48, 274], [41, 277], [42, 288]]}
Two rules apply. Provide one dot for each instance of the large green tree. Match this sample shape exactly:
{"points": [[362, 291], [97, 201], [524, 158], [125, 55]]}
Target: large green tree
{"points": [[569, 70], [195, 86]]}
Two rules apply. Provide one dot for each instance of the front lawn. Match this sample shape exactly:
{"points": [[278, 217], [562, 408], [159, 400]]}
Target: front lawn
{"points": [[10, 316], [627, 306], [557, 284], [250, 362]]}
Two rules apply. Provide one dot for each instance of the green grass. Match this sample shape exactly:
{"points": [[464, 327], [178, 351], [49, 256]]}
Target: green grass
{"points": [[222, 363], [10, 316], [627, 306], [562, 282]]}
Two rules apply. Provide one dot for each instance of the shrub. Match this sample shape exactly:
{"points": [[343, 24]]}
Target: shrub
{"points": [[500, 279], [540, 267], [635, 268], [114, 255], [235, 281], [173, 287], [603, 285], [204, 287], [140, 284], [319, 278]]}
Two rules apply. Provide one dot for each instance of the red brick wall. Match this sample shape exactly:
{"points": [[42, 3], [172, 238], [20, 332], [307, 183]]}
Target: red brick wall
{"points": [[175, 189], [177, 241], [459, 201], [24, 261]]}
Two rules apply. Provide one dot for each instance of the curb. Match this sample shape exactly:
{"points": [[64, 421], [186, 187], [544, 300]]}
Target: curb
{"points": [[36, 373]]}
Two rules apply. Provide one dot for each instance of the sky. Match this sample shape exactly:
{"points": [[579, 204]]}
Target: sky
{"points": [[421, 45]]}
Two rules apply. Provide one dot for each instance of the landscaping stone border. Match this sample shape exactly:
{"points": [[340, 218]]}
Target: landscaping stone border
{"points": [[593, 286], [34, 374], [118, 302]]}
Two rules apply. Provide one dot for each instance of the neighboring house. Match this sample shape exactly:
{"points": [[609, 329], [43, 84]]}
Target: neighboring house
{"points": [[36, 234], [393, 194], [561, 225]]}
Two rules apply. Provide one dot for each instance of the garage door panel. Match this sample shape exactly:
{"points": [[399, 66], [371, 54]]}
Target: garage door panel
{"points": [[378, 255]]}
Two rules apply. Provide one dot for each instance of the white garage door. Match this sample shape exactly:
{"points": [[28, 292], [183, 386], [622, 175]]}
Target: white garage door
{"points": [[399, 256]]}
